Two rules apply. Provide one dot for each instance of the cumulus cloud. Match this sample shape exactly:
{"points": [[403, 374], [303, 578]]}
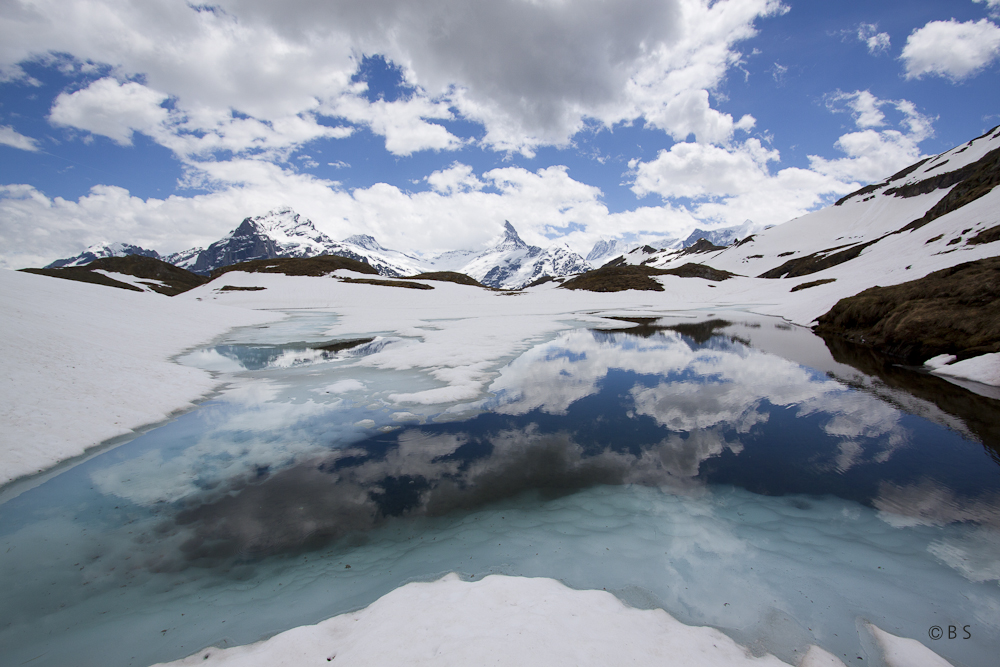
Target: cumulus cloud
{"points": [[462, 210], [114, 110], [951, 49], [403, 123], [874, 154], [456, 178], [729, 184], [11, 137], [532, 73]]}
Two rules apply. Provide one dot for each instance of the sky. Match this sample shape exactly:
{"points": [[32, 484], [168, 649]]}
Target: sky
{"points": [[428, 123]]}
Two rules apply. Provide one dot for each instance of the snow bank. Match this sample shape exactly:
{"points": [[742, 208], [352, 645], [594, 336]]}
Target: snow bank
{"points": [[904, 652], [985, 369], [520, 621], [84, 363], [500, 620]]}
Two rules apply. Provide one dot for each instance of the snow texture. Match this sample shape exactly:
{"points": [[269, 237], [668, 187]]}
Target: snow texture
{"points": [[84, 363], [984, 369], [519, 621], [507, 620]]}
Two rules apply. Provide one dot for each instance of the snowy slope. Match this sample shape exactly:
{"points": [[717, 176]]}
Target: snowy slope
{"points": [[82, 363], [100, 250], [870, 225]]}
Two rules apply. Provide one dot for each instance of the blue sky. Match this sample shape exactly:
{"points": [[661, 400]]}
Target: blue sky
{"points": [[427, 123]]}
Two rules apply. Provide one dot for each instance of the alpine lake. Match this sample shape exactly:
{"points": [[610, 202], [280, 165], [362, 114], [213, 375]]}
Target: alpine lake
{"points": [[732, 469]]}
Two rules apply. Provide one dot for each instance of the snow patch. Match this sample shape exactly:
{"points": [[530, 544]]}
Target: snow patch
{"points": [[985, 369], [507, 620]]}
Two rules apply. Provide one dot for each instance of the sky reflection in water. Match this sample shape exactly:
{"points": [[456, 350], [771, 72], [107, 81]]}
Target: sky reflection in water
{"points": [[303, 457]]}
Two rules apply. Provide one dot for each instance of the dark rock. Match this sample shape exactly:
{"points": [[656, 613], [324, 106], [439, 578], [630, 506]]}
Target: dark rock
{"points": [[952, 311], [176, 280], [298, 266]]}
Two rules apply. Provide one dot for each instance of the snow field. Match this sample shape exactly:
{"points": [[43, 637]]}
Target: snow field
{"points": [[84, 363], [519, 621]]}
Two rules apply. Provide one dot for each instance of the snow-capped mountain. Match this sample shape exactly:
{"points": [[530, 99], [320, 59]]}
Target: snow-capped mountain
{"points": [[510, 263], [101, 250], [284, 233], [604, 250], [723, 237]]}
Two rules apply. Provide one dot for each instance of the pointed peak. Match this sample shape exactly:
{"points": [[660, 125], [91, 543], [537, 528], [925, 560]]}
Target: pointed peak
{"points": [[248, 226], [509, 240]]}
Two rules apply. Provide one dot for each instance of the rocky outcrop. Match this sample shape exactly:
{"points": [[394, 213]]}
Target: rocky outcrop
{"points": [[953, 311]]}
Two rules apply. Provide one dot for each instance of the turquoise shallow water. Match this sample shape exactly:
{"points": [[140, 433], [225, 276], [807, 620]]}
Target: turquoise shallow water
{"points": [[685, 469]]}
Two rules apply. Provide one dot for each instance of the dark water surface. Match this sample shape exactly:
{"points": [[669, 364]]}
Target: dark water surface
{"points": [[729, 470]]}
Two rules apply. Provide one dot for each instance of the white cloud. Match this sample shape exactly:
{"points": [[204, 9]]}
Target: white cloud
{"points": [[864, 106], [698, 170], [728, 185], [456, 178], [531, 72], [114, 110], [874, 154], [993, 6], [951, 49], [403, 123], [11, 137], [877, 42]]}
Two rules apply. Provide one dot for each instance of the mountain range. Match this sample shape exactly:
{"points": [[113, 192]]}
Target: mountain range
{"points": [[508, 262]]}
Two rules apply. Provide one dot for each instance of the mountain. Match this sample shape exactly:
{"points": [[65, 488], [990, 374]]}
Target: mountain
{"points": [[102, 250], [723, 237], [605, 250], [284, 233], [510, 263]]}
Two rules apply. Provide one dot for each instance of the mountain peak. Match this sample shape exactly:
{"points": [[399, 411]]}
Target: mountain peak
{"points": [[365, 241], [102, 250], [509, 240]]}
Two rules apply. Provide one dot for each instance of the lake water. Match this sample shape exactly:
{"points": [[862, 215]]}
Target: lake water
{"points": [[727, 469]]}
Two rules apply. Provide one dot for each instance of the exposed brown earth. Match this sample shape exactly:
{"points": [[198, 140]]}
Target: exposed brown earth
{"points": [[703, 245], [812, 283], [621, 278], [386, 283], [971, 182], [447, 276], [824, 259], [952, 311], [615, 279], [176, 279], [83, 275], [298, 266], [986, 236]]}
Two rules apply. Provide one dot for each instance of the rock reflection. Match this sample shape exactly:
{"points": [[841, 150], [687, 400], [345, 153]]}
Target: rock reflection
{"points": [[979, 416]]}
